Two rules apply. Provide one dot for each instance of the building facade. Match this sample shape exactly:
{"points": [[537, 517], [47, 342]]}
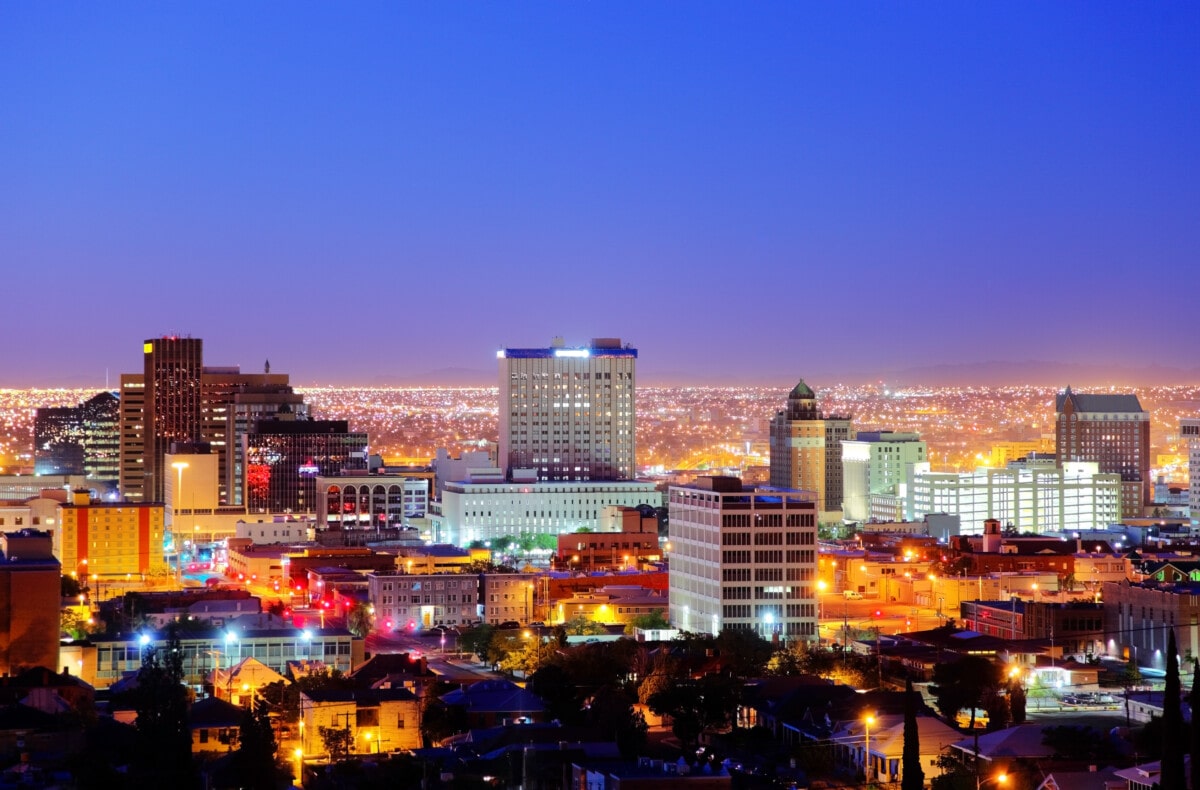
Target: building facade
{"points": [[1028, 497], [1112, 431], [490, 511], [569, 413], [1189, 431], [285, 457], [806, 450], [377, 501], [874, 463], [177, 399], [30, 602], [415, 601], [1137, 617], [80, 440], [110, 539], [171, 407], [743, 558]]}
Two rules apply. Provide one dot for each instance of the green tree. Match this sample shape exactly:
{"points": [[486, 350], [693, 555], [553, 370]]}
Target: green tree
{"points": [[1194, 728], [72, 624], [965, 684], [438, 720], [164, 754], [696, 706], [912, 774], [255, 757], [359, 619], [70, 587], [655, 619], [582, 626], [477, 640], [1016, 703], [337, 741], [1173, 774]]}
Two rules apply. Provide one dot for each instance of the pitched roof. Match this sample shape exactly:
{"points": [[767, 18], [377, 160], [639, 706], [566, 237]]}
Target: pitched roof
{"points": [[214, 712], [367, 698], [1089, 402], [801, 392], [495, 696]]}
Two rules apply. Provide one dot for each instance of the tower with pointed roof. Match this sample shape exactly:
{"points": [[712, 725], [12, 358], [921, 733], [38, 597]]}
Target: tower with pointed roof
{"points": [[806, 450], [1112, 430]]}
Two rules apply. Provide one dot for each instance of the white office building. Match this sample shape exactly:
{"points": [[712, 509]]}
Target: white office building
{"points": [[568, 413], [471, 511], [1189, 431], [873, 463], [1029, 497], [743, 558]]}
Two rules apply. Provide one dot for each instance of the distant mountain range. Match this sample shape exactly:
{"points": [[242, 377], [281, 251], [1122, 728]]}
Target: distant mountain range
{"points": [[977, 374]]}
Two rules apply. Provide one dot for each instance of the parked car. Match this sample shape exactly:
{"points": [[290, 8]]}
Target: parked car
{"points": [[852, 595], [509, 624]]}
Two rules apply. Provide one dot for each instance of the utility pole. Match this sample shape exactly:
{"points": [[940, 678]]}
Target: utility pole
{"points": [[879, 657]]}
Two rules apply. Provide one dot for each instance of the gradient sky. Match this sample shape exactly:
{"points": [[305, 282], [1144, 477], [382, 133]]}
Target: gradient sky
{"points": [[764, 190]]}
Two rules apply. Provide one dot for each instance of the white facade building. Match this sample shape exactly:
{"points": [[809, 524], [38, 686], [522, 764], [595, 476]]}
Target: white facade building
{"points": [[1189, 431], [1030, 497], [276, 530], [568, 413], [415, 601], [487, 511], [743, 558], [874, 462]]}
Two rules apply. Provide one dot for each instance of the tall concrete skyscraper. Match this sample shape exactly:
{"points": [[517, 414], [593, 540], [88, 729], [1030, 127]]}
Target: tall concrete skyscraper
{"points": [[1112, 431], [569, 413], [806, 450], [1189, 431], [171, 375], [177, 399]]}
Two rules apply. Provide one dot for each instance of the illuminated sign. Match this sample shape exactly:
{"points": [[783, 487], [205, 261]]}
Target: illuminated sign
{"points": [[310, 470], [572, 352]]}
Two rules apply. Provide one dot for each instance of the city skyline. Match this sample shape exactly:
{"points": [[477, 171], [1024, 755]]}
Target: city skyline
{"points": [[939, 185]]}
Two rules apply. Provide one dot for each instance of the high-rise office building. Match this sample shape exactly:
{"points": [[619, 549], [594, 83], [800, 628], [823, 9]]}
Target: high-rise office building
{"points": [[177, 399], [1189, 431], [79, 440], [171, 404], [743, 558], [806, 449], [232, 402], [874, 463], [569, 413], [284, 458], [1112, 431]]}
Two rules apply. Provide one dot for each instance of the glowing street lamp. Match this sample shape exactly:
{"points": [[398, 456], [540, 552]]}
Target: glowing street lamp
{"points": [[868, 721], [999, 779]]}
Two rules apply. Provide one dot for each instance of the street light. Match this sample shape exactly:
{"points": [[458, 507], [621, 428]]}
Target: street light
{"points": [[820, 599], [998, 779], [298, 754], [868, 721]]}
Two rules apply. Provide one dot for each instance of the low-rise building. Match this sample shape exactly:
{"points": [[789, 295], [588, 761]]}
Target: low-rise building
{"points": [[30, 602], [106, 659], [628, 539], [613, 604], [379, 720], [416, 601]]}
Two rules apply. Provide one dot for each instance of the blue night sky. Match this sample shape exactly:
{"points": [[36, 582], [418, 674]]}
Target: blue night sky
{"points": [[760, 191]]}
